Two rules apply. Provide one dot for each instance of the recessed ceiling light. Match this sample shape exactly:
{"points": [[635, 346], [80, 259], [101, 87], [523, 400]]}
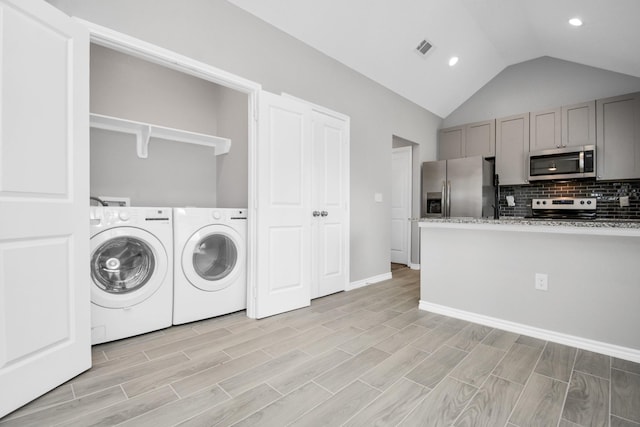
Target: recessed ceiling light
{"points": [[453, 61], [576, 22]]}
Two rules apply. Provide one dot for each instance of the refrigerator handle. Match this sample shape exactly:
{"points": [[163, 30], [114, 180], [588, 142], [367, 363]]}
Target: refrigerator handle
{"points": [[448, 199], [443, 199]]}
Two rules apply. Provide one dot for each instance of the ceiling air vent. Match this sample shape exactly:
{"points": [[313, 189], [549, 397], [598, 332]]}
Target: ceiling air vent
{"points": [[423, 47]]}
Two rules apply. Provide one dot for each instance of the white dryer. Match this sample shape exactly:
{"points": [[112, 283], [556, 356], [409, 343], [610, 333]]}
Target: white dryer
{"points": [[131, 271], [210, 263]]}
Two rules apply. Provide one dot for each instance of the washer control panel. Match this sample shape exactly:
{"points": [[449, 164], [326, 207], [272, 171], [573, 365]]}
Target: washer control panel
{"points": [[110, 216]]}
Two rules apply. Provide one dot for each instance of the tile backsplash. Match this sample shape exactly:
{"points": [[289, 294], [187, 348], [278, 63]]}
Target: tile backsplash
{"points": [[608, 194]]}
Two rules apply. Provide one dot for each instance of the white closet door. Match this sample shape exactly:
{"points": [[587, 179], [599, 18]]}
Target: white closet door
{"points": [[44, 214], [284, 214], [330, 186], [400, 204]]}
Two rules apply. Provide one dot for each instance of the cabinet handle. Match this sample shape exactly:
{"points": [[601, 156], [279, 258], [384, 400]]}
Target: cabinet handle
{"points": [[324, 213], [316, 213]]}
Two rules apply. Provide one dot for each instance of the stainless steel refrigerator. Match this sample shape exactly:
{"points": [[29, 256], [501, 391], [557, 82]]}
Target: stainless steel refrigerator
{"points": [[458, 188]]}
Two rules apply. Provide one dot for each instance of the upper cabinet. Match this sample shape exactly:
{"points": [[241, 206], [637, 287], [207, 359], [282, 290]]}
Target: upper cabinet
{"points": [[579, 124], [481, 139], [451, 143], [568, 126], [618, 141], [474, 139], [546, 129], [512, 144]]}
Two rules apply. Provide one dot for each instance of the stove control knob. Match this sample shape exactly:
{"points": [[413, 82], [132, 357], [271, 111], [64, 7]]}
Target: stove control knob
{"points": [[588, 202], [544, 202], [538, 202], [124, 216], [582, 202], [216, 215]]}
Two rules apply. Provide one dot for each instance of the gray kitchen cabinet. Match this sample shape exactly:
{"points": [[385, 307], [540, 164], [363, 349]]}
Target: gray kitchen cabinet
{"points": [[567, 126], [579, 124], [545, 129], [470, 140], [480, 139], [618, 137], [451, 143], [512, 144]]}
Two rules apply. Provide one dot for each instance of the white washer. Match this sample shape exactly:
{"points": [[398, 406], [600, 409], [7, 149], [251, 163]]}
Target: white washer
{"points": [[131, 271], [210, 263]]}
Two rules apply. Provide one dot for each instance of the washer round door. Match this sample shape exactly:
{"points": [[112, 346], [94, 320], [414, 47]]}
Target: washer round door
{"points": [[128, 265], [212, 257]]}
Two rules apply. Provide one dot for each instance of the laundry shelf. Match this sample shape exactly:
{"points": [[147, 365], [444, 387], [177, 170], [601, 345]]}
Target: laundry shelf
{"points": [[145, 131]]}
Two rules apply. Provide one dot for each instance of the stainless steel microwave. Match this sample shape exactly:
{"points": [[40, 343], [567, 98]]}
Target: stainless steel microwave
{"points": [[562, 163]]}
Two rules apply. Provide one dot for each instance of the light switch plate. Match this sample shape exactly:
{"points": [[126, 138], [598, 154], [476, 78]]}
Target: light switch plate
{"points": [[377, 197]]}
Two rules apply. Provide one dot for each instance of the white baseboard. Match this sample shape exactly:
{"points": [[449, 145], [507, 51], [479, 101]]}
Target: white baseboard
{"points": [[543, 334], [371, 280], [414, 266]]}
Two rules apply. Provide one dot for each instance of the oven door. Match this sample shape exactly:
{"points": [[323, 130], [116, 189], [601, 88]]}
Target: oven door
{"points": [[573, 215]]}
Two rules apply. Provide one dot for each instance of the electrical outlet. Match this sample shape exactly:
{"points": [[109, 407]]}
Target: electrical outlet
{"points": [[542, 282]]}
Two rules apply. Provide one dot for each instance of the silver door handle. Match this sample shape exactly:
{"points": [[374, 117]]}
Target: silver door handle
{"points": [[448, 198], [324, 213], [316, 213]]}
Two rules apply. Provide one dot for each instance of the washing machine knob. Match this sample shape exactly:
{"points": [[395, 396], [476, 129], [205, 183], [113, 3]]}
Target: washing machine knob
{"points": [[124, 216], [216, 215]]}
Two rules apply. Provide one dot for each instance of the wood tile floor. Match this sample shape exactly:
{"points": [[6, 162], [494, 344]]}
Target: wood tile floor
{"points": [[360, 358]]}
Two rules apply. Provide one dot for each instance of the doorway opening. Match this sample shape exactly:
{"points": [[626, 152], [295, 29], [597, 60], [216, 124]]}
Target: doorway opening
{"points": [[128, 45], [405, 203]]}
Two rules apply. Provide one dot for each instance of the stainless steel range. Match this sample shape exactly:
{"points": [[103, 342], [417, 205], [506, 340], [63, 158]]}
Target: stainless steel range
{"points": [[567, 208]]}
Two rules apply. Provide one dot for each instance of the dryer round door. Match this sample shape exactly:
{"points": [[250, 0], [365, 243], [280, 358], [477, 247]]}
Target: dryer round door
{"points": [[212, 257], [128, 265]]}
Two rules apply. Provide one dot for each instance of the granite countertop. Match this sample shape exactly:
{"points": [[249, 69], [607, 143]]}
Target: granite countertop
{"points": [[620, 225]]}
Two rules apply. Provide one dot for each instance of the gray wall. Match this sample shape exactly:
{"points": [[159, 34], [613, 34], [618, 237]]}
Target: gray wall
{"points": [[220, 34], [538, 84], [174, 174], [232, 168], [166, 178]]}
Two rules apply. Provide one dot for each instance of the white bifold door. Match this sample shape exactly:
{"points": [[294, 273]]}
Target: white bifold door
{"points": [[302, 211], [284, 214], [330, 190], [44, 201]]}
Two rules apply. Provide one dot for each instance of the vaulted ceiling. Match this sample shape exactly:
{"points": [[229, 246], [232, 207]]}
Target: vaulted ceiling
{"points": [[378, 38]]}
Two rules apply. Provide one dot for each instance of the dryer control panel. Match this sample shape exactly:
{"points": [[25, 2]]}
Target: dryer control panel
{"points": [[227, 214], [237, 214]]}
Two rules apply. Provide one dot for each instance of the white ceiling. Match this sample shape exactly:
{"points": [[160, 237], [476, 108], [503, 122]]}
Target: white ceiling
{"points": [[378, 38]]}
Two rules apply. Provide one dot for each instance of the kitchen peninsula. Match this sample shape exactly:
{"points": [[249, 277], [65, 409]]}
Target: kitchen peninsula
{"points": [[486, 271]]}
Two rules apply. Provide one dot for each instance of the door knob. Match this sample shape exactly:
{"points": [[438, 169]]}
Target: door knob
{"points": [[324, 213], [316, 213]]}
